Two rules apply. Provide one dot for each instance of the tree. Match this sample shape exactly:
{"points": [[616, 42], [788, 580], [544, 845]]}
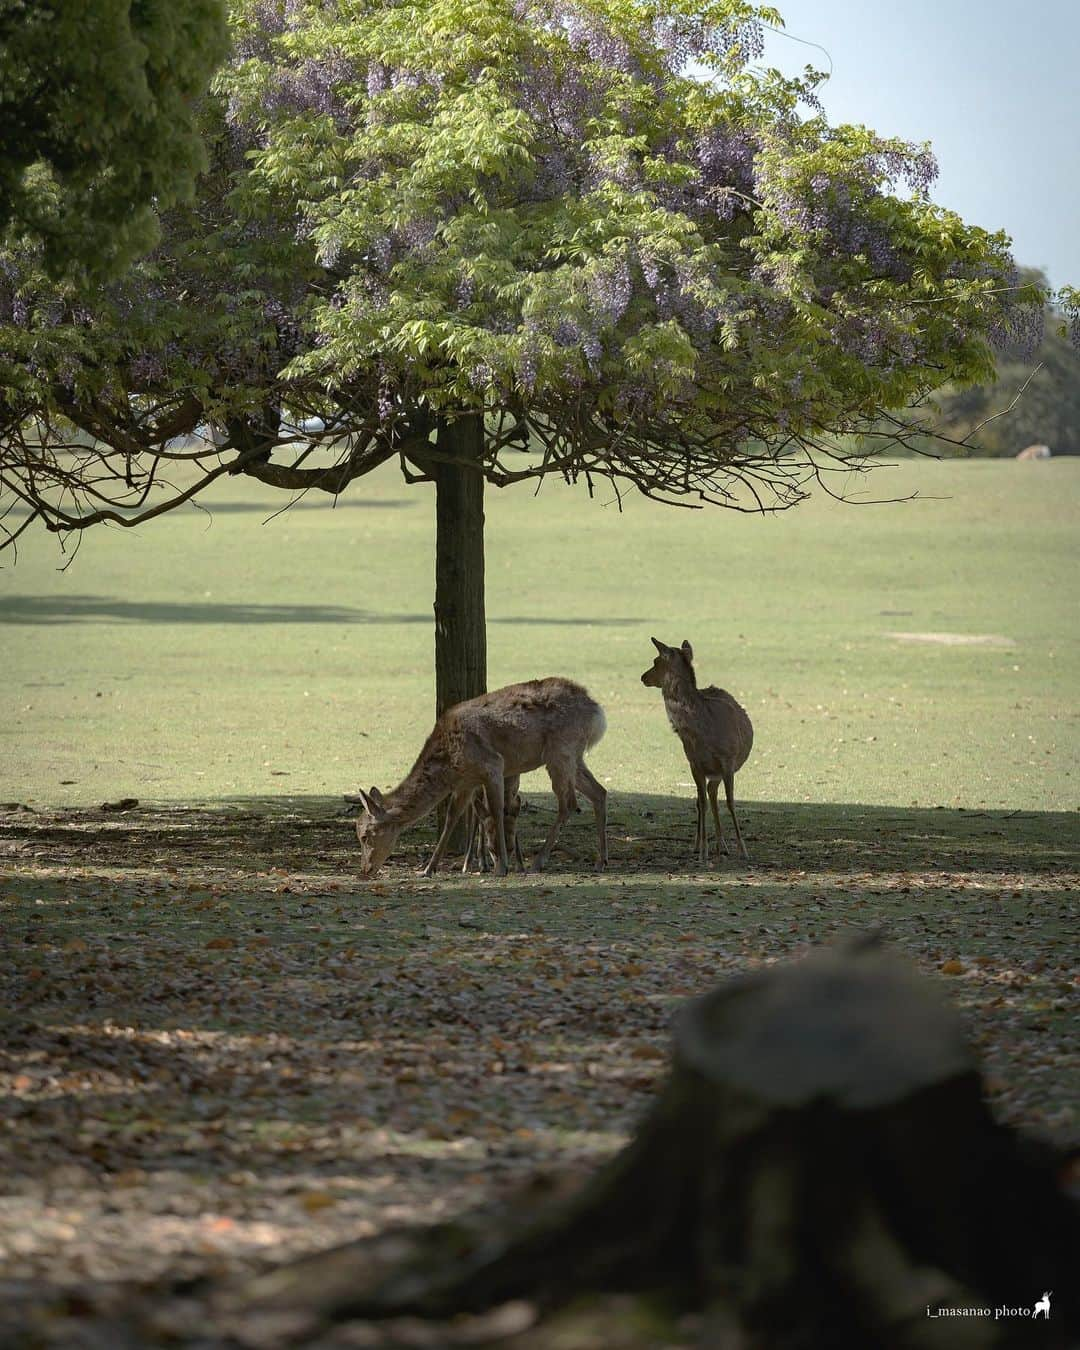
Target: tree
{"points": [[97, 125], [1035, 398], [458, 230]]}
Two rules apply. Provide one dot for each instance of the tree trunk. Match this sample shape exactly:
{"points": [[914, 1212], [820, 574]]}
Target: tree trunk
{"points": [[460, 629], [460, 623], [252, 430]]}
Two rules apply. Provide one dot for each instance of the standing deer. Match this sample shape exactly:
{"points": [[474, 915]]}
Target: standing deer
{"points": [[715, 732], [484, 742]]}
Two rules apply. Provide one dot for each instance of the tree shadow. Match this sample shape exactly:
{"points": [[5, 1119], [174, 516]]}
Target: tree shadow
{"points": [[306, 504], [833, 836], [648, 834], [39, 610], [321, 503]]}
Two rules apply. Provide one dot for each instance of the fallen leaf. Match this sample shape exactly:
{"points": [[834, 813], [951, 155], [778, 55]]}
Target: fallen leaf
{"points": [[314, 1201]]}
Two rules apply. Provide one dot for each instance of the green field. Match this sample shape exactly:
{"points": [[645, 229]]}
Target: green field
{"points": [[220, 1048], [221, 657]]}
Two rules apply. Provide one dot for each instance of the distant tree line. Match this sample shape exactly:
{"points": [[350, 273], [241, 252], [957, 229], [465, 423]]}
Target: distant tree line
{"points": [[1035, 399]]}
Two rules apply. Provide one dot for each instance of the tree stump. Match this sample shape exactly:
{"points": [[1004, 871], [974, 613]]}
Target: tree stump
{"points": [[820, 1171]]}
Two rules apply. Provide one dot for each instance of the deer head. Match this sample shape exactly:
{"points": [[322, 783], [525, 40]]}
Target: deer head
{"points": [[376, 831], [669, 660]]}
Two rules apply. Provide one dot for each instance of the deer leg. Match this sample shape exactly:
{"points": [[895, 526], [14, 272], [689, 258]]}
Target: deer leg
{"points": [[487, 859], [512, 834], [474, 833], [484, 846], [597, 794], [511, 812], [489, 853], [729, 790], [562, 786], [714, 787], [488, 846], [458, 802], [496, 802], [701, 838]]}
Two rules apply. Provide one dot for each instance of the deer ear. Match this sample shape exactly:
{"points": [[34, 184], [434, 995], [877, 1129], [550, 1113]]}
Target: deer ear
{"points": [[687, 650], [658, 645], [372, 802]]}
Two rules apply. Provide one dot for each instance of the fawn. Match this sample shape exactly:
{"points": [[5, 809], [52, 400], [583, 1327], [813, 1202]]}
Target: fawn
{"points": [[715, 732], [481, 833], [484, 743]]}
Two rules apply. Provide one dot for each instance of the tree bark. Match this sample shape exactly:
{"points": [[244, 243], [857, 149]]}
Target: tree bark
{"points": [[460, 624], [460, 621], [250, 432]]}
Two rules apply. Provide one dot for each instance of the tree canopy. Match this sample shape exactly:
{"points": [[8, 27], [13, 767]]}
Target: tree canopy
{"points": [[97, 125], [598, 223]]}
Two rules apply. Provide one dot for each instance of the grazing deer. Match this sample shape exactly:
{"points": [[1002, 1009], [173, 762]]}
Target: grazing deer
{"points": [[485, 742], [482, 836], [715, 732], [483, 845]]}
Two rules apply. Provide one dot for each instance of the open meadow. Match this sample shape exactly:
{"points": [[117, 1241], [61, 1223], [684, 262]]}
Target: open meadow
{"points": [[221, 1048]]}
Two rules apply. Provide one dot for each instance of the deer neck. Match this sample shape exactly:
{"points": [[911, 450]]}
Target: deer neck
{"points": [[681, 703], [429, 780], [680, 688]]}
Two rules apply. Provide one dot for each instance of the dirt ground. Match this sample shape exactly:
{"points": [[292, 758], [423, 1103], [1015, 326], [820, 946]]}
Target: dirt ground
{"points": [[220, 1049]]}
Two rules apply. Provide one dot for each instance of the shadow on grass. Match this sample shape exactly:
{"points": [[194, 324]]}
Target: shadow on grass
{"points": [[820, 836], [188, 990], [56, 609], [320, 503], [648, 834]]}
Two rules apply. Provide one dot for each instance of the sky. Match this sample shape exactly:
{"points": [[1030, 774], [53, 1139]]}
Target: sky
{"points": [[992, 84]]}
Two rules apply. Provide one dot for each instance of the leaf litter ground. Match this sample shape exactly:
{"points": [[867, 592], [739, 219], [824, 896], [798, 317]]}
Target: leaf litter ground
{"points": [[221, 1049]]}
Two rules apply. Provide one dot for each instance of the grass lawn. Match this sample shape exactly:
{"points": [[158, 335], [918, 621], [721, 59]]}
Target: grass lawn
{"points": [[209, 658], [220, 1048]]}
